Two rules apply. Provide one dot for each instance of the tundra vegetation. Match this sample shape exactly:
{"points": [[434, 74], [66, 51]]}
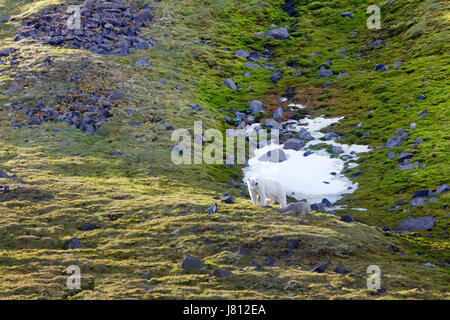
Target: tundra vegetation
{"points": [[85, 125]]}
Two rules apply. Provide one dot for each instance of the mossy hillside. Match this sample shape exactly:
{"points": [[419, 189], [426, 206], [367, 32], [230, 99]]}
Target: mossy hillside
{"points": [[150, 212]]}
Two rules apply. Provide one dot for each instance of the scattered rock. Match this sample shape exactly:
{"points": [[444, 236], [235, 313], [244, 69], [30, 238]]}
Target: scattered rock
{"points": [[242, 53], [276, 77], [293, 144], [275, 156], [279, 33], [442, 189], [321, 268], [256, 106], [230, 84], [189, 262], [296, 208], [292, 244], [221, 273], [341, 269], [336, 150], [74, 243], [413, 224], [423, 114], [88, 226], [271, 123], [270, 261], [227, 198], [243, 251], [347, 14], [213, 208], [347, 218], [428, 265]]}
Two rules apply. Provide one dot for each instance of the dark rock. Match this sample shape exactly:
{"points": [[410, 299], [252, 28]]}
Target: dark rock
{"points": [[413, 224], [307, 153], [289, 8], [421, 97], [235, 184], [347, 218], [278, 114], [325, 72], [242, 53], [428, 265], [6, 52], [292, 244], [381, 67], [336, 149], [279, 33], [326, 203], [74, 243], [321, 268], [270, 261], [271, 123], [408, 166], [347, 14], [422, 193], [423, 114], [341, 269], [393, 142], [251, 65], [442, 189], [189, 262], [404, 156], [276, 77], [230, 84], [294, 144], [243, 251], [418, 201], [221, 273], [257, 266], [256, 106], [88, 226], [391, 155], [332, 136], [227, 198]]}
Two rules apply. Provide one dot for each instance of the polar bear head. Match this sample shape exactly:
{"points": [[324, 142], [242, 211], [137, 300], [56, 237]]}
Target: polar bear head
{"points": [[253, 181]]}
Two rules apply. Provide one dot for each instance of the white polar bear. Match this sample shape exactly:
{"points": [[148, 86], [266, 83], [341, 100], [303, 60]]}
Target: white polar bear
{"points": [[268, 189]]}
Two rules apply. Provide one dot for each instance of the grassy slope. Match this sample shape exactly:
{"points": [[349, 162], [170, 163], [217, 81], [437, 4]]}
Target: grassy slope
{"points": [[151, 213]]}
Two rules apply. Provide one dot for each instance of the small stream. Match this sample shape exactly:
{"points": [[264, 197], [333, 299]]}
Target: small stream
{"points": [[312, 177]]}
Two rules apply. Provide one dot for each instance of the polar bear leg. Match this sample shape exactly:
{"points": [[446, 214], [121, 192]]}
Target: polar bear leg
{"points": [[282, 200], [262, 198], [253, 196]]}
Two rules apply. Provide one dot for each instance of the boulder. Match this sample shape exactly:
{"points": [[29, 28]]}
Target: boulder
{"points": [[279, 33], [293, 144], [275, 156], [271, 123], [190, 262], [413, 224], [347, 218], [256, 106], [296, 208], [442, 189], [230, 84], [221, 273]]}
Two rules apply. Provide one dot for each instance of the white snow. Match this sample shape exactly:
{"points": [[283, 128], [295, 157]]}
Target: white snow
{"points": [[308, 177]]}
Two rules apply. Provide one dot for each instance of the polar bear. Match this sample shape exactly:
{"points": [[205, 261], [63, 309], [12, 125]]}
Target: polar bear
{"points": [[267, 189]]}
